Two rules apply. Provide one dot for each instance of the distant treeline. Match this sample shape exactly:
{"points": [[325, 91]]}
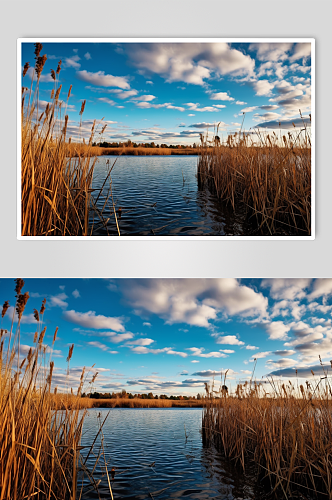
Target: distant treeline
{"points": [[125, 395]]}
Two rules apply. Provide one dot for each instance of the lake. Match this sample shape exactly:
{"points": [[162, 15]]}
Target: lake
{"points": [[159, 196], [158, 454]]}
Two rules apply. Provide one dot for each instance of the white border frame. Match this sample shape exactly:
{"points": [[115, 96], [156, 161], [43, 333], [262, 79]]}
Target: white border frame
{"points": [[20, 41]]}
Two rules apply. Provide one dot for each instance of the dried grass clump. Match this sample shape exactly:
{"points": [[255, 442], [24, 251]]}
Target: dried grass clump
{"points": [[271, 177], [286, 436], [39, 440], [56, 177]]}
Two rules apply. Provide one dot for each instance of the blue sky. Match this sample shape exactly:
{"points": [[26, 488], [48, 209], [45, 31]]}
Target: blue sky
{"points": [[169, 336], [170, 92]]}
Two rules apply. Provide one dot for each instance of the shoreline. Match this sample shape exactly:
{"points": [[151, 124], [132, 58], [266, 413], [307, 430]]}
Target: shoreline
{"points": [[138, 403]]}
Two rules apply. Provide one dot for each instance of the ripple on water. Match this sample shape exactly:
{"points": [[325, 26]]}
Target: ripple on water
{"points": [[151, 455], [155, 200]]}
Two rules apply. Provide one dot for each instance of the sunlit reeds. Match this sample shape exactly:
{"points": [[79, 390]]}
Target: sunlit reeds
{"points": [[286, 435], [56, 176], [270, 175], [39, 440]]}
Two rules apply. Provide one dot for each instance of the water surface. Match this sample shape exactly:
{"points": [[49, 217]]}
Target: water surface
{"points": [[158, 453], [159, 195]]}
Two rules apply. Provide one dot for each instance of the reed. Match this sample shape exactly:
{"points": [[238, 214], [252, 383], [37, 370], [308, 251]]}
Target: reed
{"points": [[286, 436], [140, 151], [39, 441], [138, 403], [269, 176], [56, 176]]}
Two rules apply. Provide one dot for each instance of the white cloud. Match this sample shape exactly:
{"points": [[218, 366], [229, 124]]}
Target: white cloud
{"points": [[301, 51], [87, 56], [240, 103], [99, 345], [249, 109], [91, 320], [76, 294], [229, 339], [221, 96], [144, 98], [321, 287], [141, 342], [251, 347], [199, 352], [260, 355], [193, 301], [107, 100], [277, 330], [189, 62], [58, 300], [72, 62], [271, 51], [287, 288], [263, 87], [100, 79]]}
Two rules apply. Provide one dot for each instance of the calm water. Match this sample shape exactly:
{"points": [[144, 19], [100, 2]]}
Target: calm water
{"points": [[159, 195], [158, 454]]}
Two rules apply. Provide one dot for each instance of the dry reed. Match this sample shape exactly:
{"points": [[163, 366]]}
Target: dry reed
{"points": [[271, 177], [285, 435], [56, 177], [39, 441]]}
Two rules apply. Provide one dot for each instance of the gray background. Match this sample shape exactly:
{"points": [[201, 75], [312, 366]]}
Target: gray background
{"points": [[160, 18]]}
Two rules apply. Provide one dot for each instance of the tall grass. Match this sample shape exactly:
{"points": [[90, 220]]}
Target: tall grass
{"points": [[39, 440], [286, 435], [270, 176], [56, 176], [138, 403]]}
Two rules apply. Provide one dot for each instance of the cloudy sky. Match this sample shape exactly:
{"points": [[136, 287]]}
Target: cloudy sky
{"points": [[169, 336], [170, 92]]}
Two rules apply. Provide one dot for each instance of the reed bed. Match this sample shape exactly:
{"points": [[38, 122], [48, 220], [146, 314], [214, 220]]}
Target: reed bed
{"points": [[270, 177], [140, 151], [56, 176], [285, 436], [138, 403], [40, 447]]}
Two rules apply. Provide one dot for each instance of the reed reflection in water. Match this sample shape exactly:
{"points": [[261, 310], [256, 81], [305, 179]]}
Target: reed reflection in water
{"points": [[159, 195], [158, 453]]}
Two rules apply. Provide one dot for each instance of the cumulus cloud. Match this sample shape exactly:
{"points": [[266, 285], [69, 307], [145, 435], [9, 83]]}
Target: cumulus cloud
{"points": [[92, 320], [263, 87], [76, 294], [101, 80], [221, 96], [287, 288], [277, 330], [193, 301], [229, 339], [271, 51], [189, 62], [87, 56], [107, 100], [301, 51], [321, 287]]}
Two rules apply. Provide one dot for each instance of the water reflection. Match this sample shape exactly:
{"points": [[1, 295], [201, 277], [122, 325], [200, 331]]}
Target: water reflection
{"points": [[158, 453], [158, 195]]}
